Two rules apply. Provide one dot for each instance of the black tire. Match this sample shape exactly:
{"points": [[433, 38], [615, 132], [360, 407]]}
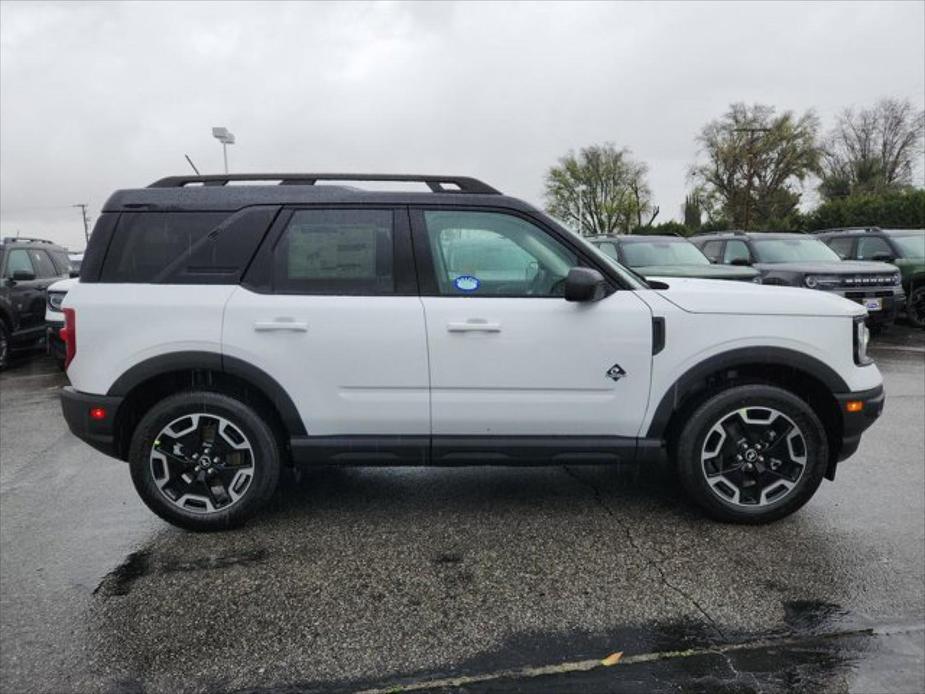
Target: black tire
{"points": [[692, 440], [266, 459], [915, 307], [4, 345]]}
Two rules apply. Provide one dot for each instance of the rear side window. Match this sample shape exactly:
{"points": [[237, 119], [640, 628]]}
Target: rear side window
{"points": [[61, 262], [144, 244], [869, 246], [336, 252], [44, 268]]}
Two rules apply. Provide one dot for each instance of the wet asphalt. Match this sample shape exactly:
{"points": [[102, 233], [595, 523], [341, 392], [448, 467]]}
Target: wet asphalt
{"points": [[469, 579]]}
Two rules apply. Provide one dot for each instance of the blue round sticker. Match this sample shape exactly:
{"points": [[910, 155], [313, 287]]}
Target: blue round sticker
{"points": [[467, 283]]}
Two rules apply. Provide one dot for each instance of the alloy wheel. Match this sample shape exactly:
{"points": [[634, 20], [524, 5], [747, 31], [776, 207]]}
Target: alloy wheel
{"points": [[202, 463], [753, 456]]}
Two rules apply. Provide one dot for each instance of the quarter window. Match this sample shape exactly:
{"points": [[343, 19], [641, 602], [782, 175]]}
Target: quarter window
{"points": [[336, 252], [495, 254]]}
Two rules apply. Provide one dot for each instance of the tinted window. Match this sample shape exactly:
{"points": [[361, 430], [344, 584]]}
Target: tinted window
{"points": [[145, 243], [336, 252], [842, 246], [41, 261], [713, 250], [609, 249], [735, 250], [911, 245], [61, 262], [18, 260], [869, 246], [494, 254]]}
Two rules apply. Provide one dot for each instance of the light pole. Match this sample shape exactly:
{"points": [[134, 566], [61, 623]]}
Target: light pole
{"points": [[83, 214], [226, 138]]}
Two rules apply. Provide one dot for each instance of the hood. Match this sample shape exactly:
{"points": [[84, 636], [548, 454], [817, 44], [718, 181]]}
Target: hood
{"points": [[63, 285], [834, 267], [717, 296], [731, 272]]}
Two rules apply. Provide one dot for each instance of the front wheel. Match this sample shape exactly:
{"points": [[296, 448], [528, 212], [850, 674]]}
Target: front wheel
{"points": [[203, 460], [915, 307], [752, 454]]}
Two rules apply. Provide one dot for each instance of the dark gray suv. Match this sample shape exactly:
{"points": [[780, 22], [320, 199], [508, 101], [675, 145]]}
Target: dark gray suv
{"points": [[799, 260]]}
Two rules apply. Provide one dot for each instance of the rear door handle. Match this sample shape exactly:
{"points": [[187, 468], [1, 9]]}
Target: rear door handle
{"points": [[474, 325], [286, 324]]}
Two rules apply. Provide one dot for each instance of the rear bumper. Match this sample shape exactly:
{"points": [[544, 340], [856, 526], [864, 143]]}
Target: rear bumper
{"points": [[856, 423], [99, 433]]}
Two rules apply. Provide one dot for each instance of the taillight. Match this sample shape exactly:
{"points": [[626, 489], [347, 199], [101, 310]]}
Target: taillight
{"points": [[69, 335]]}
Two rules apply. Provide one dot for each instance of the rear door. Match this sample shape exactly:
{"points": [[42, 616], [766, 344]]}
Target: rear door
{"points": [[330, 311], [509, 356]]}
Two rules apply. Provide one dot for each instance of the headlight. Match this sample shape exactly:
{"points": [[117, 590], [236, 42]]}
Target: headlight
{"points": [[55, 299], [861, 340], [814, 281], [897, 278]]}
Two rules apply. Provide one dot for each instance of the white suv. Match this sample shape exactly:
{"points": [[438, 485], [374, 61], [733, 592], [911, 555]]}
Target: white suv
{"points": [[220, 332]]}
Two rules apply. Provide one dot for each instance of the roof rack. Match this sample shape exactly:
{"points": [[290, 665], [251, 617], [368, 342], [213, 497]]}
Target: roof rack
{"points": [[731, 232], [25, 239], [437, 184], [864, 229]]}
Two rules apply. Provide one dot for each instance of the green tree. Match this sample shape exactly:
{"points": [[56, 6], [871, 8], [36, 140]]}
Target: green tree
{"points": [[872, 151], [601, 190], [756, 163], [905, 208], [693, 213]]}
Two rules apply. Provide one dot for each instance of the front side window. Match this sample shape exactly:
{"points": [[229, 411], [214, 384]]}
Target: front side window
{"points": [[609, 249], [495, 254], [793, 251], [735, 250], [713, 250], [18, 261], [336, 252], [911, 245], [869, 246], [44, 268], [842, 246]]}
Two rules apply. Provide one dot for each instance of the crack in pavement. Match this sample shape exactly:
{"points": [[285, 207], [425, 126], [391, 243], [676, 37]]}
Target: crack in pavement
{"points": [[645, 555]]}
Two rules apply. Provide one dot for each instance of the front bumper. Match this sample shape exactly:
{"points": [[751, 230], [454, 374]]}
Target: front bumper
{"points": [[856, 423], [99, 433], [891, 302]]}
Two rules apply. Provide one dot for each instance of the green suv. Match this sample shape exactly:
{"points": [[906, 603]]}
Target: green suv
{"points": [[905, 248]]}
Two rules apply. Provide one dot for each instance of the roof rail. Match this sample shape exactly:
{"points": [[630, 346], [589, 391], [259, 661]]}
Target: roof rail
{"points": [[25, 239], [437, 184], [867, 229], [733, 232]]}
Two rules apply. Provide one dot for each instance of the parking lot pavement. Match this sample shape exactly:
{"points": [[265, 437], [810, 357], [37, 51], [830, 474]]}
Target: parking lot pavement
{"points": [[469, 579]]}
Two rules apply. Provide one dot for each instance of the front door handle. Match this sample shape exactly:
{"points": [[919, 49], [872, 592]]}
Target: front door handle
{"points": [[287, 324], [474, 325]]}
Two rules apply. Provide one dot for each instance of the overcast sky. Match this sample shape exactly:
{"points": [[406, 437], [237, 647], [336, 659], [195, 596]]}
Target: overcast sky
{"points": [[95, 97]]}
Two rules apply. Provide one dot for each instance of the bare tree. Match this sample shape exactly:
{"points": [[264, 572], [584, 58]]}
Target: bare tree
{"points": [[874, 150]]}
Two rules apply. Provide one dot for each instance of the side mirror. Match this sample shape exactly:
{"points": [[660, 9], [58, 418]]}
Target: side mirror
{"points": [[883, 257], [75, 273], [740, 261], [585, 284], [22, 276]]}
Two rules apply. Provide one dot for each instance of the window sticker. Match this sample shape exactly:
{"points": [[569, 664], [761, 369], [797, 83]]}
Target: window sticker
{"points": [[467, 283]]}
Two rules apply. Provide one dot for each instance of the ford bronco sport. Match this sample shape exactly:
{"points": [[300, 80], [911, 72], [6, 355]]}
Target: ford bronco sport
{"points": [[220, 332]]}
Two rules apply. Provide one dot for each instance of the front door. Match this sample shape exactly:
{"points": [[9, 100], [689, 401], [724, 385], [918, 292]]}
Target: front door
{"points": [[509, 356]]}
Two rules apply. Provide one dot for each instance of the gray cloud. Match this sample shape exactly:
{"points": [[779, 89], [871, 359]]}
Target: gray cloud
{"points": [[95, 97]]}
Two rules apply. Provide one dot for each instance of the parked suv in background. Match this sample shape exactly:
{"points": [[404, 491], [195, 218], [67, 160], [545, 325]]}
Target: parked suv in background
{"points": [[302, 323], [904, 248], [54, 318], [668, 256], [799, 260], [27, 267]]}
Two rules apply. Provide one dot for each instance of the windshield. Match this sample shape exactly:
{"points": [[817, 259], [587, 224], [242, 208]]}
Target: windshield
{"points": [[793, 251], [644, 253], [911, 245]]}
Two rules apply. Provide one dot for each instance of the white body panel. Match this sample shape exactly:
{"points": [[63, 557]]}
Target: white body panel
{"points": [[52, 316], [530, 366], [121, 325], [351, 364]]}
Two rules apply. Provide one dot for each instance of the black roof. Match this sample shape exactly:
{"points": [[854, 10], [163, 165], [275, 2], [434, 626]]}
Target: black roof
{"points": [[214, 192]]}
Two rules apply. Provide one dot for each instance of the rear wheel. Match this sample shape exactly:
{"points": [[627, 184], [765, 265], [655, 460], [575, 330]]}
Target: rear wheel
{"points": [[915, 307], [203, 460], [752, 454]]}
